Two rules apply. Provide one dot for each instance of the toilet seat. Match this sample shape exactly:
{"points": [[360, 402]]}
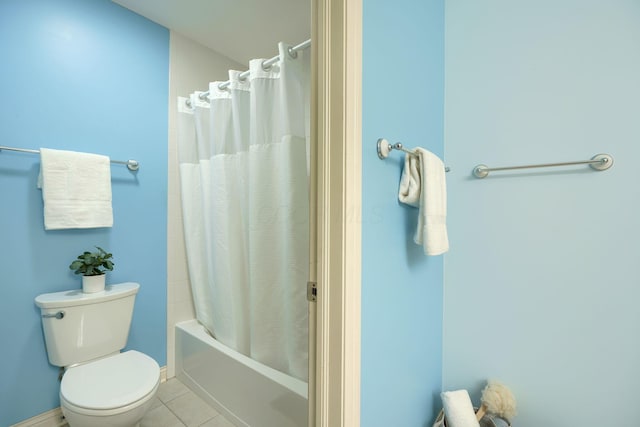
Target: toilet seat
{"points": [[110, 385]]}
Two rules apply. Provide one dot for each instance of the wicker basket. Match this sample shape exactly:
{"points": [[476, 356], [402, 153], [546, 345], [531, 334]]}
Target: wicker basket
{"points": [[487, 420]]}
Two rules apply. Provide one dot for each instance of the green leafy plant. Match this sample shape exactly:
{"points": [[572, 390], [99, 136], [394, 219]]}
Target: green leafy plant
{"points": [[92, 263]]}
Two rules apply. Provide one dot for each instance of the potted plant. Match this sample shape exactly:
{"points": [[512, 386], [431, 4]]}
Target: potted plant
{"points": [[92, 266]]}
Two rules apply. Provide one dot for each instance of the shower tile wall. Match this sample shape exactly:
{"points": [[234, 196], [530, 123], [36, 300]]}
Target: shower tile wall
{"points": [[192, 66]]}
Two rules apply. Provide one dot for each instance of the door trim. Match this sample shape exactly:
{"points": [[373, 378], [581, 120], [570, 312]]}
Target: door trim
{"points": [[336, 123]]}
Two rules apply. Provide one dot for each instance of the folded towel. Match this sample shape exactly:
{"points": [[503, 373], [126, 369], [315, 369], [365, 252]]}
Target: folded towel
{"points": [[423, 185], [76, 189], [458, 409]]}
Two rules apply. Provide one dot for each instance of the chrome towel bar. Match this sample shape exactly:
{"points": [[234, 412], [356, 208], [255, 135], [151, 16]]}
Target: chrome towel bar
{"points": [[598, 162], [133, 165]]}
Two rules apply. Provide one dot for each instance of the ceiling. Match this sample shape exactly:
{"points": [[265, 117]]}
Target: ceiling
{"points": [[238, 29]]}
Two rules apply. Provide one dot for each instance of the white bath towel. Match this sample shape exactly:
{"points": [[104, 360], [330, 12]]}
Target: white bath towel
{"points": [[458, 409], [423, 184], [76, 189]]}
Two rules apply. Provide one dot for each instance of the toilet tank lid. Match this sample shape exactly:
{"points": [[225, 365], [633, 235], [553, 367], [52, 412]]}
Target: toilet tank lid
{"points": [[76, 297]]}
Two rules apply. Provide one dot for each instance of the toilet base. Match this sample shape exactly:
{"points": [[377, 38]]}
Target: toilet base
{"points": [[130, 418]]}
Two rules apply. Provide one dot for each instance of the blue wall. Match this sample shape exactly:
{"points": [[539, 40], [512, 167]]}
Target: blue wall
{"points": [[542, 283], [403, 67], [86, 76]]}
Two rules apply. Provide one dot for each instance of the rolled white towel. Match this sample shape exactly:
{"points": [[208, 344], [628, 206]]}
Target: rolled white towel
{"points": [[458, 409]]}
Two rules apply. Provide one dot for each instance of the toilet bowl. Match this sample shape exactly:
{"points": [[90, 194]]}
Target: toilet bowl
{"points": [[114, 391], [84, 333]]}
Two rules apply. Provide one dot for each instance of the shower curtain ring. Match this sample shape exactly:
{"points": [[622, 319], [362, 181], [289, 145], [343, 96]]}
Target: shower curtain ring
{"points": [[292, 53], [265, 66]]}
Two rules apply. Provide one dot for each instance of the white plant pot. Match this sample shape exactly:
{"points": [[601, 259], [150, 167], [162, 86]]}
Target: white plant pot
{"points": [[92, 284]]}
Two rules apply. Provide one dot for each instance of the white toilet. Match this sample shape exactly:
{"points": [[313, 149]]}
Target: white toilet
{"points": [[84, 332]]}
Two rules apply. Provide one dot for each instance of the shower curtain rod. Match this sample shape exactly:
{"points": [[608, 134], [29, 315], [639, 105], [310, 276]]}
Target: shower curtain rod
{"points": [[133, 165], [293, 52]]}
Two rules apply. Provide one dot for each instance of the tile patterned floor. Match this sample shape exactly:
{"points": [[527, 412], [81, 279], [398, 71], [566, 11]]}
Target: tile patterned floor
{"points": [[177, 406], [174, 406]]}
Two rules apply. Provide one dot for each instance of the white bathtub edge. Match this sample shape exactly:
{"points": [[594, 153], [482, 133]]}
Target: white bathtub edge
{"points": [[299, 387], [212, 401]]}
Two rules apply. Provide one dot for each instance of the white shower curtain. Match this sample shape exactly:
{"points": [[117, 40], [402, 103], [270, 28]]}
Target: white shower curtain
{"points": [[244, 180]]}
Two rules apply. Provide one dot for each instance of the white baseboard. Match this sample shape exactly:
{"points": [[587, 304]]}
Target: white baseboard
{"points": [[54, 418]]}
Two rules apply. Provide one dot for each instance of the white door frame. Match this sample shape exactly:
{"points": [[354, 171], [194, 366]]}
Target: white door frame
{"points": [[334, 398]]}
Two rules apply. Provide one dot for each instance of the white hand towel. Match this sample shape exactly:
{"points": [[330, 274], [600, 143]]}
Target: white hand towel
{"points": [[458, 409], [423, 184], [410, 182], [76, 189]]}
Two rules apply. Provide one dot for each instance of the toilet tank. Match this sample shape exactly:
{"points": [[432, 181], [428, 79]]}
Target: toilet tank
{"points": [[79, 327]]}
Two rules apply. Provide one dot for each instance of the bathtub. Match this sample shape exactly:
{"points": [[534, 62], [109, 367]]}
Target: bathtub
{"points": [[246, 392]]}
